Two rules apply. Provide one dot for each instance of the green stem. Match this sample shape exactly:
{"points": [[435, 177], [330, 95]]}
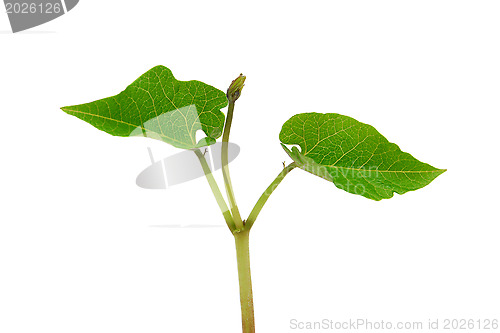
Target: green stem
{"points": [[216, 191], [244, 276], [225, 168], [267, 193]]}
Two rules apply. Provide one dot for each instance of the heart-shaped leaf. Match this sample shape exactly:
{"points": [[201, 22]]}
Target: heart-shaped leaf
{"points": [[157, 105], [353, 155]]}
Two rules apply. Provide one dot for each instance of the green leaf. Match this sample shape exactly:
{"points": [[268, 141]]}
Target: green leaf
{"points": [[159, 106], [353, 155]]}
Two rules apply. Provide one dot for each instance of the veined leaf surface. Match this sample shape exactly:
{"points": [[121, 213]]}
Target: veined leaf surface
{"points": [[353, 155], [159, 106]]}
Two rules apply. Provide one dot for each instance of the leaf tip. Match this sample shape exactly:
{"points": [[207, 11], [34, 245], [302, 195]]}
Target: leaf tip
{"points": [[440, 171]]}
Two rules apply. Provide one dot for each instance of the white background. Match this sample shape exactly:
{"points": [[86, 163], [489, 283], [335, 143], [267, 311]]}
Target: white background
{"points": [[80, 250]]}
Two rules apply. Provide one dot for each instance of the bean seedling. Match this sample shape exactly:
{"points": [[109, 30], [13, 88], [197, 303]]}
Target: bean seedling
{"points": [[352, 155]]}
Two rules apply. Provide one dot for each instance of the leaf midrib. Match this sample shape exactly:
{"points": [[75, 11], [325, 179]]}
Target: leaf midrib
{"points": [[394, 171], [123, 122]]}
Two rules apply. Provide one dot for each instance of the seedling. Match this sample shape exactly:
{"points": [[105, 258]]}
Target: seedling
{"points": [[352, 155]]}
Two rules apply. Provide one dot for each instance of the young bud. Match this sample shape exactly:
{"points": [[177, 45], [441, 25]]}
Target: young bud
{"points": [[234, 90]]}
